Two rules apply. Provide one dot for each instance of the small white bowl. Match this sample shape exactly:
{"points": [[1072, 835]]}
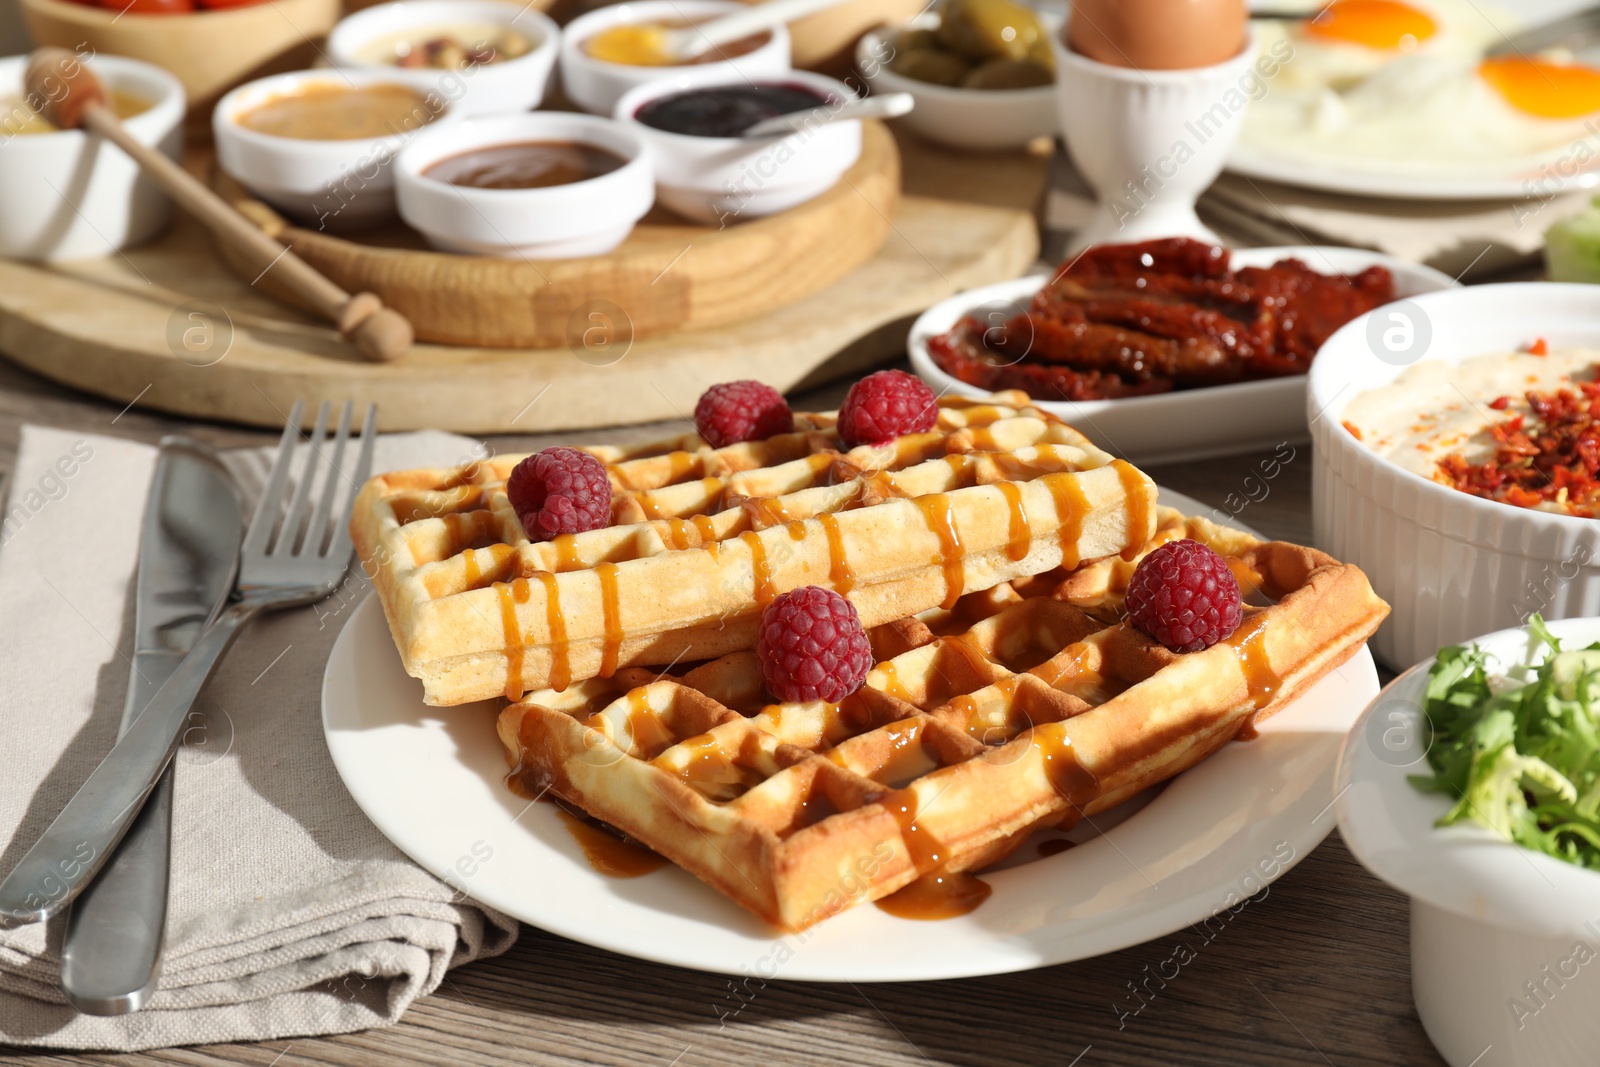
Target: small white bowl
{"points": [[1179, 426], [337, 185], [486, 89], [986, 119], [1487, 916], [587, 218], [596, 85], [1450, 564], [71, 195], [722, 179]]}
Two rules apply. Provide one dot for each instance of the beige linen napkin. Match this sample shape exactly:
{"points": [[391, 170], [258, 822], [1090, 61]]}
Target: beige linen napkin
{"points": [[290, 914]]}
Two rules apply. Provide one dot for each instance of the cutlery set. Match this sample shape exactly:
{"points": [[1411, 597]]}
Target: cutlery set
{"points": [[202, 578]]}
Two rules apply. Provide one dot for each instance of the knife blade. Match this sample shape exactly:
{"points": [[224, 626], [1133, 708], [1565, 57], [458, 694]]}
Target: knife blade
{"points": [[188, 553]]}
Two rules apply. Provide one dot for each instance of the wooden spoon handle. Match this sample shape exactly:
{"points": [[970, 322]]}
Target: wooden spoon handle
{"points": [[382, 340]]}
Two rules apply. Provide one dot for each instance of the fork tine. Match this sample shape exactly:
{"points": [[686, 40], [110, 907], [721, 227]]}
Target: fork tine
{"points": [[339, 548], [317, 528], [267, 508], [290, 534]]}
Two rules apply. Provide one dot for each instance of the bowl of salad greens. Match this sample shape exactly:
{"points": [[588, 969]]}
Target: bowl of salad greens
{"points": [[1472, 783]]}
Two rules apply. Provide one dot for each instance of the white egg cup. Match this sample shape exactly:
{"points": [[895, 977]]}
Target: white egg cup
{"points": [[1149, 141]]}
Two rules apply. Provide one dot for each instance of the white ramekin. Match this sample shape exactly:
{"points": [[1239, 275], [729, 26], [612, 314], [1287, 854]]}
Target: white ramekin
{"points": [[71, 195], [1490, 920], [334, 185], [586, 218], [486, 89], [724, 179], [1149, 141], [1450, 564], [596, 85], [985, 119]]}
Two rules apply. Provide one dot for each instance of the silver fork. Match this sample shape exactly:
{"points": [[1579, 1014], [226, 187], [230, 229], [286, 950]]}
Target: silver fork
{"points": [[274, 572]]}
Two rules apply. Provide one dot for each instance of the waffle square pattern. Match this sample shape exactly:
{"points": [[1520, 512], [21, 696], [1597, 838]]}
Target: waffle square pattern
{"points": [[701, 539], [1026, 704]]}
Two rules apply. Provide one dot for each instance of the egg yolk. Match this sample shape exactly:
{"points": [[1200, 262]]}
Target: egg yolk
{"points": [[1544, 89], [1386, 24]]}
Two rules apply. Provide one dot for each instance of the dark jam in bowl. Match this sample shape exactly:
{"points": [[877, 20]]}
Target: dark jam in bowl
{"points": [[526, 165], [726, 110]]}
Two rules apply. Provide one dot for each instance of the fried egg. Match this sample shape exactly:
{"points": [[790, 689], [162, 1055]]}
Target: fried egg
{"points": [[1402, 85]]}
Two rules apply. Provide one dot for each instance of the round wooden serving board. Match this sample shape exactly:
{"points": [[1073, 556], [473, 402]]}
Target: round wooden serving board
{"points": [[167, 326], [669, 275]]}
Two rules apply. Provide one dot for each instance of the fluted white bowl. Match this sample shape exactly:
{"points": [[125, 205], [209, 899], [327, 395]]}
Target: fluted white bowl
{"points": [[1451, 565]]}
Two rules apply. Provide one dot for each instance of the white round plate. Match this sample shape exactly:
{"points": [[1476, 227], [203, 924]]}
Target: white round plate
{"points": [[431, 779], [1465, 869], [1178, 426], [1494, 181]]}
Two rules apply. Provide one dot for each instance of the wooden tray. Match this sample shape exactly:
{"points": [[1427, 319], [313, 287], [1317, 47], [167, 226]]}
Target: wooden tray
{"points": [[669, 275], [166, 326]]}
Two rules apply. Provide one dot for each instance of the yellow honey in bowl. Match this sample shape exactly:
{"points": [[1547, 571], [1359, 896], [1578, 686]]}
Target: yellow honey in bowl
{"points": [[645, 44], [17, 116]]}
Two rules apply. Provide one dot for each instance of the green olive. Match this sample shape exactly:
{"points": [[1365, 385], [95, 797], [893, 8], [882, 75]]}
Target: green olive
{"points": [[1006, 74], [916, 41], [989, 29], [928, 65]]}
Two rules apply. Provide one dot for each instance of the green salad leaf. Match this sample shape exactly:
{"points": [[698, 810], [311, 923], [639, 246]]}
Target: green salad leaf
{"points": [[1520, 759]]}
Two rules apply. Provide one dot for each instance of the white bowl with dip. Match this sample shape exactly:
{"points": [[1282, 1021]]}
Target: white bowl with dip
{"points": [[982, 119], [372, 37], [596, 85], [1186, 424], [724, 179], [1451, 564], [68, 194], [334, 183], [1487, 916], [582, 218]]}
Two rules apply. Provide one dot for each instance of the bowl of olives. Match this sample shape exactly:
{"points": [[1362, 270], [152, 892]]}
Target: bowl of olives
{"points": [[982, 72]]}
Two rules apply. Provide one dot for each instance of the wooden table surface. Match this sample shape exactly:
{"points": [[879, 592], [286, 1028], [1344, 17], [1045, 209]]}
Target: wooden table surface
{"points": [[1314, 972]]}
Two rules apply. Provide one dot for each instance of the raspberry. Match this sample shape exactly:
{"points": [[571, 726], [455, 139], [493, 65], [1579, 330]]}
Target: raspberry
{"points": [[741, 411], [812, 646], [882, 406], [1184, 596], [560, 491]]}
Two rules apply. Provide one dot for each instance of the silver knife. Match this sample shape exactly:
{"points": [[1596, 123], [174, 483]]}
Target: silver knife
{"points": [[188, 553], [1577, 32]]}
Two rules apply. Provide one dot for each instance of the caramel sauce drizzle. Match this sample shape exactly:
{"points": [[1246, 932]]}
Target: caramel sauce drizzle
{"points": [[839, 572], [759, 568], [607, 853], [941, 895], [936, 512], [611, 611], [560, 653], [1020, 536], [1249, 643], [646, 731], [474, 572], [797, 530], [707, 528], [937, 893], [512, 631], [678, 533], [1074, 782], [566, 547], [1072, 506], [892, 685], [1138, 493]]}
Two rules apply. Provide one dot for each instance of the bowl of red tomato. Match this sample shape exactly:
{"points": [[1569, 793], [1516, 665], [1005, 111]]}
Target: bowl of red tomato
{"points": [[210, 45]]}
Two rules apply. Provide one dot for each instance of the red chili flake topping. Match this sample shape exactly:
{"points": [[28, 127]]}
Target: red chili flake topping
{"points": [[1500, 403], [1539, 348], [1548, 458]]}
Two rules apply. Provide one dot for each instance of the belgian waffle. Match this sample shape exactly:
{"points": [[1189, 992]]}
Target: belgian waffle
{"points": [[1030, 704], [701, 539]]}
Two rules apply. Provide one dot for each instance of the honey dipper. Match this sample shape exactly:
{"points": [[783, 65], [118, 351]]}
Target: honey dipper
{"points": [[70, 96]]}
